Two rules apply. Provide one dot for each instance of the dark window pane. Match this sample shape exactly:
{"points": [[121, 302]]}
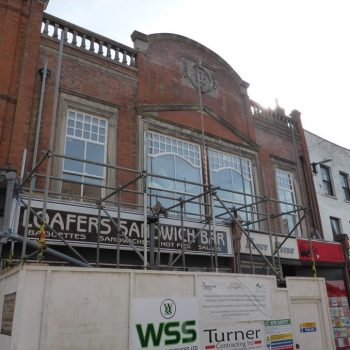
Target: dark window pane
{"points": [[92, 191], [335, 224], [71, 187], [345, 185], [223, 179], [94, 153], [92, 181], [186, 171], [74, 148], [164, 166], [326, 180]]}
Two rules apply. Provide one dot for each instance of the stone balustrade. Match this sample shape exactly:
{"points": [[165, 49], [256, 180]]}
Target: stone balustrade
{"points": [[86, 40], [276, 115]]}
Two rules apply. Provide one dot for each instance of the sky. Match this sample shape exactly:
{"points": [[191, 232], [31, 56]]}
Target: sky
{"points": [[295, 51]]}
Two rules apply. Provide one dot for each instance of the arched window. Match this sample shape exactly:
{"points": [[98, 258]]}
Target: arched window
{"points": [[173, 159], [233, 174]]}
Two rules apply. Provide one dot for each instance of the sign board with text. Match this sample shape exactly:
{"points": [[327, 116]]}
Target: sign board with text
{"points": [[233, 299], [279, 334], [164, 324], [322, 251], [78, 224], [235, 336], [289, 249]]}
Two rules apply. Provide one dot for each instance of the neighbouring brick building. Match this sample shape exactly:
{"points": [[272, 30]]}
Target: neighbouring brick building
{"points": [[167, 124]]}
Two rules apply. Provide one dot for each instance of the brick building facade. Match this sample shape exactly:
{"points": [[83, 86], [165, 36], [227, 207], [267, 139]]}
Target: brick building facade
{"points": [[170, 119]]}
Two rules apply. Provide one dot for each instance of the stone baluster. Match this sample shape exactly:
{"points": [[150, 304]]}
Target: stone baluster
{"points": [[74, 40], [86, 40], [109, 51], [116, 57], [65, 34], [46, 27], [125, 61], [55, 31], [83, 41], [100, 48], [92, 44]]}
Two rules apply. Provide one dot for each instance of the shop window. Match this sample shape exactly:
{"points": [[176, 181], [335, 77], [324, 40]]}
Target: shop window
{"points": [[174, 159], [336, 226], [234, 176], [286, 196], [86, 139], [344, 180], [326, 180]]}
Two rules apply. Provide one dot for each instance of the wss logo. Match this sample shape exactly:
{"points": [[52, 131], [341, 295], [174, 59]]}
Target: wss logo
{"points": [[169, 332], [168, 308]]}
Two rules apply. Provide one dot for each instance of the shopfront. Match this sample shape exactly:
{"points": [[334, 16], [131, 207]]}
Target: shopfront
{"points": [[330, 264]]}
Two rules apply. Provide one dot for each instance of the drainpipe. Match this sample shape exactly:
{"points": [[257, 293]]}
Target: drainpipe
{"points": [[45, 73]]}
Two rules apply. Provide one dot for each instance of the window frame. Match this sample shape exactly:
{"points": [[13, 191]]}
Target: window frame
{"points": [[337, 222], [91, 106], [177, 144], [225, 160], [345, 185], [84, 174], [148, 122], [327, 183], [291, 180]]}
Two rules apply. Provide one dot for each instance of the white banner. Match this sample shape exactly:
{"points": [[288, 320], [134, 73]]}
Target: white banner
{"points": [[164, 324], [236, 336], [238, 298]]}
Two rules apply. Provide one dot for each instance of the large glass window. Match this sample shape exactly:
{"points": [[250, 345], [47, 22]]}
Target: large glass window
{"points": [[326, 180], [173, 159], [86, 139], [286, 195], [233, 174], [344, 180]]}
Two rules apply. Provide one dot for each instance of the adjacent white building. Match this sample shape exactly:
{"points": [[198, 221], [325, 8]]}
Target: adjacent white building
{"points": [[331, 169]]}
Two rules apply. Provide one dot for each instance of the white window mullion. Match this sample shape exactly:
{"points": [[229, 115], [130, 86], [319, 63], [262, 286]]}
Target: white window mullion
{"points": [[93, 131]]}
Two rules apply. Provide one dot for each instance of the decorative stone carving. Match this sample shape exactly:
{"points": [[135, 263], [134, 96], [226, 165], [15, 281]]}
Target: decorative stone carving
{"points": [[199, 76]]}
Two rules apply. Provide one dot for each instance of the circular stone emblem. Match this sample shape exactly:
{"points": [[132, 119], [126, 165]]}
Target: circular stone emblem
{"points": [[168, 308], [201, 78]]}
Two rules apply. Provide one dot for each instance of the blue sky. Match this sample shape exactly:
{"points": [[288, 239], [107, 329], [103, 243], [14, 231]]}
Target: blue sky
{"points": [[295, 51]]}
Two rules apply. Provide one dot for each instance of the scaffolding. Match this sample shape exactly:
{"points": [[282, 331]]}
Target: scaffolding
{"points": [[136, 194]]}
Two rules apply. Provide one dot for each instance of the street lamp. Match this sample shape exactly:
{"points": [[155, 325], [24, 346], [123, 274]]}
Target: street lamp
{"points": [[314, 164]]}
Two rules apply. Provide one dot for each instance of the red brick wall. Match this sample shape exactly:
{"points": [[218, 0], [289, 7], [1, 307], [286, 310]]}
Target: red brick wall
{"points": [[20, 36], [162, 80], [158, 83]]}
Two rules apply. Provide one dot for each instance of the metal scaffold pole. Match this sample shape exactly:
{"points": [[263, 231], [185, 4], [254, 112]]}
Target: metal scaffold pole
{"points": [[145, 231]]}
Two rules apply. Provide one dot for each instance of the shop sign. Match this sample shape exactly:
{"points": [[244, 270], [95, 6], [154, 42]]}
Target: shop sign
{"points": [[164, 324], [289, 249], [279, 334], [235, 336], [78, 225], [322, 251], [308, 327], [237, 298]]}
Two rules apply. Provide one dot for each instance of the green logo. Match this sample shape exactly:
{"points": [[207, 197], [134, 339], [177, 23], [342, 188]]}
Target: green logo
{"points": [[168, 308], [174, 333]]}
